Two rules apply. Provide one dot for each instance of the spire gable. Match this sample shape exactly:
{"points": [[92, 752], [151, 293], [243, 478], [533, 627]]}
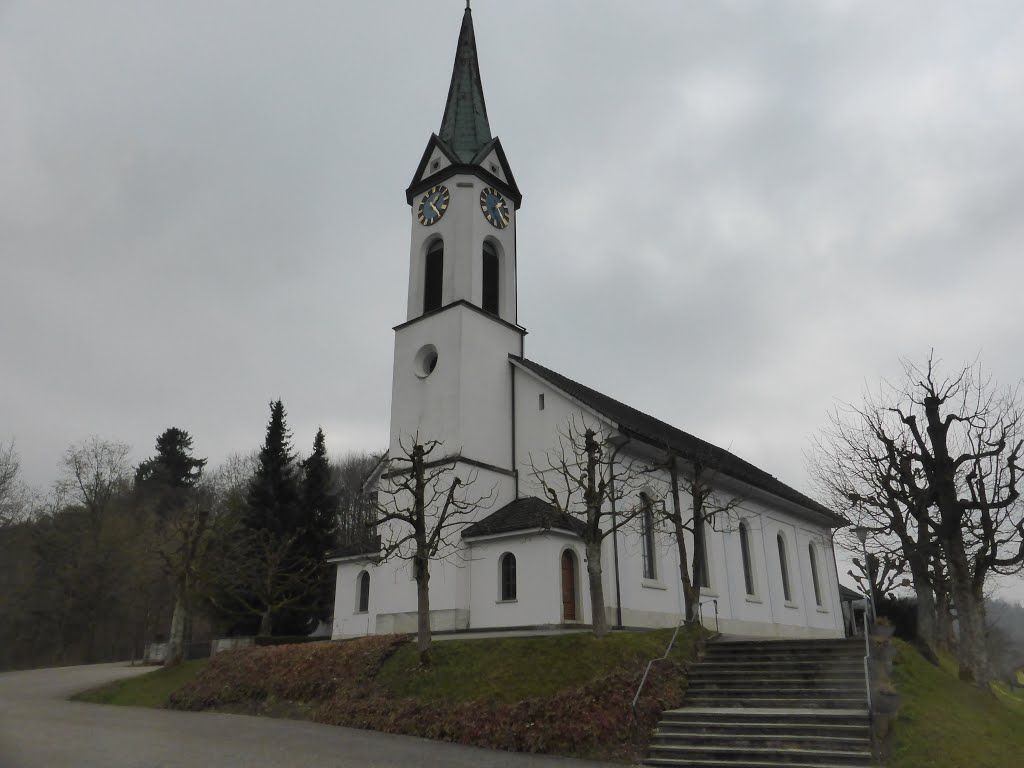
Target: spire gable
{"points": [[464, 127]]}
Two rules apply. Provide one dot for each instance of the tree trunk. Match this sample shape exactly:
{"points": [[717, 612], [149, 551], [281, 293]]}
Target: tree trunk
{"points": [[972, 652], [944, 620], [176, 637], [699, 547], [689, 599], [597, 614], [925, 607], [266, 625], [423, 612]]}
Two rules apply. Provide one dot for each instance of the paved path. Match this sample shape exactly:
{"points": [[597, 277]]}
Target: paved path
{"points": [[39, 728]]}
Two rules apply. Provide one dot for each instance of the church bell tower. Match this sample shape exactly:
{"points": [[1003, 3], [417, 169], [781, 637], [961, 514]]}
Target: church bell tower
{"points": [[452, 379]]}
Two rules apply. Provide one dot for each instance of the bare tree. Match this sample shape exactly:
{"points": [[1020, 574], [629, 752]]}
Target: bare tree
{"points": [[944, 452], [706, 506], [422, 505], [264, 573], [579, 479], [13, 500]]}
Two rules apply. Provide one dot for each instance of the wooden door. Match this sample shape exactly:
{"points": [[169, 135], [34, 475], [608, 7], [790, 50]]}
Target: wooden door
{"points": [[568, 586]]}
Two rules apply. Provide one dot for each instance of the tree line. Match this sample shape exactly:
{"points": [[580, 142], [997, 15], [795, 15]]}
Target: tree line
{"points": [[117, 555]]}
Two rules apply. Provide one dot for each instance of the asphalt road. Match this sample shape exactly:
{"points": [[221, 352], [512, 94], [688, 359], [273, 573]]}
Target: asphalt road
{"points": [[40, 728]]}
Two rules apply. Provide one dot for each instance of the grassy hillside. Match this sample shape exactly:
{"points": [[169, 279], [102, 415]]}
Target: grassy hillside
{"points": [[944, 723], [567, 694]]}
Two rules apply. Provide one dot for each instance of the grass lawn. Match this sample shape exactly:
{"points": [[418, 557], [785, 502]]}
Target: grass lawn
{"points": [[944, 723], [515, 668], [150, 689]]}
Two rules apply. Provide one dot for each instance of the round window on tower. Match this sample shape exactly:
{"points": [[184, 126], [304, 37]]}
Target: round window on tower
{"points": [[425, 361]]}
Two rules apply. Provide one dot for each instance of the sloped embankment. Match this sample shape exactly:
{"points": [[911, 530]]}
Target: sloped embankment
{"points": [[567, 695]]}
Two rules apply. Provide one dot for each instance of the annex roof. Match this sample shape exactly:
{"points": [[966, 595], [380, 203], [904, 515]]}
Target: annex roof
{"points": [[655, 432], [523, 514]]}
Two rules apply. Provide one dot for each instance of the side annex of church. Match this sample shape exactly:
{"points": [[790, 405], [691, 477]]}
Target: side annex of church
{"points": [[461, 377]]}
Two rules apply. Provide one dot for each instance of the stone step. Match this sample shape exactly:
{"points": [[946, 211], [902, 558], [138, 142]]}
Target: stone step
{"points": [[756, 737], [765, 727], [688, 762], [748, 755], [777, 657], [785, 661], [797, 716], [784, 702], [759, 680]]}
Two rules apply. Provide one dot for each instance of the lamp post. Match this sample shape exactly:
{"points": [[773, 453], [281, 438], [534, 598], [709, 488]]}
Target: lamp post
{"points": [[862, 536]]}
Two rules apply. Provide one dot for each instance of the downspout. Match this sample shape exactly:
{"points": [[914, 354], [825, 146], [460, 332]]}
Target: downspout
{"points": [[512, 463]]}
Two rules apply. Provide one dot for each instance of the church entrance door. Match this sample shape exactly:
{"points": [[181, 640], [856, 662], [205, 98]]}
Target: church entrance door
{"points": [[568, 586]]}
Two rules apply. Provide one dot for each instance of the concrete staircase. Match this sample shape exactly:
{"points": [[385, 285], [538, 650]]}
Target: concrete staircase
{"points": [[769, 704]]}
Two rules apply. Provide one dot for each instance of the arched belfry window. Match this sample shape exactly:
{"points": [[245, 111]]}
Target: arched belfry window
{"points": [[491, 279], [748, 563], [814, 575], [433, 276], [508, 576], [784, 568], [647, 533], [363, 590]]}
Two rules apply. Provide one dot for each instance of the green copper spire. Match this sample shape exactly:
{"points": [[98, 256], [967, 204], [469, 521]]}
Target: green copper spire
{"points": [[464, 127]]}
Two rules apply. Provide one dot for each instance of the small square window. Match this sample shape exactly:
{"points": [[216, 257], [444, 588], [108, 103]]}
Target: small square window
{"points": [[435, 165], [540, 402], [494, 168]]}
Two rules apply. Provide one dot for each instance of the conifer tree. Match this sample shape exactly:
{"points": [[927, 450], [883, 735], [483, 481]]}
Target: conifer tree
{"points": [[319, 513], [273, 498]]}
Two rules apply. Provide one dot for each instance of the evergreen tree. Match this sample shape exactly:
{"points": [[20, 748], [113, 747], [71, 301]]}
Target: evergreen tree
{"points": [[167, 477], [273, 499], [319, 521], [170, 481]]}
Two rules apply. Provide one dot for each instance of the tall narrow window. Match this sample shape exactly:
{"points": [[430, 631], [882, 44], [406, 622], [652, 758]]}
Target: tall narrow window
{"points": [[748, 565], [363, 584], [784, 568], [702, 576], [433, 277], [490, 273], [650, 572], [508, 576], [814, 575]]}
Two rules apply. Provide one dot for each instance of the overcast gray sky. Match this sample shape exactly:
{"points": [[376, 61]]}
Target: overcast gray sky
{"points": [[735, 214]]}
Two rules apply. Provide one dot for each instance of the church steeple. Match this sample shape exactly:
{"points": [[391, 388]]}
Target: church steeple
{"points": [[464, 127]]}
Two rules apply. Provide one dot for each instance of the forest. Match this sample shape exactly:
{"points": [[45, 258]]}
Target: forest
{"points": [[116, 555]]}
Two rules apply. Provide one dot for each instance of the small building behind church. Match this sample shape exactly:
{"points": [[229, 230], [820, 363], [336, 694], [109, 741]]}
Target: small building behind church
{"points": [[462, 378]]}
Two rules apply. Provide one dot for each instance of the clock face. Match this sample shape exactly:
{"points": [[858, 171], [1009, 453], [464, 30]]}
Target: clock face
{"points": [[433, 205], [494, 207]]}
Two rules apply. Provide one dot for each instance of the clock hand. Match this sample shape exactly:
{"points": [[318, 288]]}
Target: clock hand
{"points": [[435, 208]]}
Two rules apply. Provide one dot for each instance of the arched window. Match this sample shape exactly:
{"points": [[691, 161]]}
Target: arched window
{"points": [[748, 564], [814, 575], [489, 302], [702, 577], [363, 589], [784, 568], [508, 576], [433, 276], [647, 533]]}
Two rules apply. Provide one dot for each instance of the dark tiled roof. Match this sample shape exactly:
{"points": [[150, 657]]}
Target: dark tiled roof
{"points": [[649, 429], [845, 593], [523, 515], [369, 547]]}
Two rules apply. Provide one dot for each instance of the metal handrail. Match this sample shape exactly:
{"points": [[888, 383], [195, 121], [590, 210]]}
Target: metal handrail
{"points": [[668, 650], [647, 670]]}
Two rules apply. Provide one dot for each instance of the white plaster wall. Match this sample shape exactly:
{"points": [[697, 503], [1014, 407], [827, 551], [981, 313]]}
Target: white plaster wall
{"points": [[463, 229], [466, 401], [538, 580]]}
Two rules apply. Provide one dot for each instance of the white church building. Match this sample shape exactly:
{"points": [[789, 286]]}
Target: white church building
{"points": [[461, 376]]}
